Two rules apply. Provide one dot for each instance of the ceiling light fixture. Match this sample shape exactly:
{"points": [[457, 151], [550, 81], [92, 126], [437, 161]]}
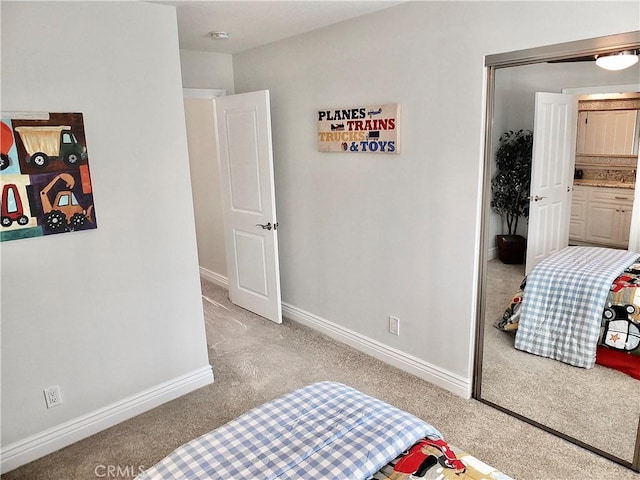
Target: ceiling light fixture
{"points": [[218, 35], [617, 61]]}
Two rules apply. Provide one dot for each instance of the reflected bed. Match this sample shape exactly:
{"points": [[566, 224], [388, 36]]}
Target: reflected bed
{"points": [[580, 306]]}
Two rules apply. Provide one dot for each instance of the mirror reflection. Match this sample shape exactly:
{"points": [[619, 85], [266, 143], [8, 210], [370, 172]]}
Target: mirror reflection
{"points": [[596, 406]]}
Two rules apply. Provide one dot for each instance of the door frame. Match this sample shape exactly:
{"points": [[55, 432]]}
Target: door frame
{"points": [[562, 51], [209, 94], [224, 281], [629, 88]]}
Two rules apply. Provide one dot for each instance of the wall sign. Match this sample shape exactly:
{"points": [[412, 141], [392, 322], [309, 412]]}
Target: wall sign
{"points": [[45, 185], [368, 129]]}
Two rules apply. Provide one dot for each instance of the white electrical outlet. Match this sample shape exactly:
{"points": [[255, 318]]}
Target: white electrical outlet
{"points": [[394, 325], [52, 396]]}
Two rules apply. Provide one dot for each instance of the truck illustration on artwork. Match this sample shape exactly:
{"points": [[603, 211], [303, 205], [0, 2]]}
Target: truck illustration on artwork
{"points": [[64, 212], [45, 143], [6, 142], [11, 208]]}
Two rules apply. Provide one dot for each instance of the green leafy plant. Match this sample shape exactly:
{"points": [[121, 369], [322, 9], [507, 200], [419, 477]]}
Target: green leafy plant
{"points": [[511, 184]]}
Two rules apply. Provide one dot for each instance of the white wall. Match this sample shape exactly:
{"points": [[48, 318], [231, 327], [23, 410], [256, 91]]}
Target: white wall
{"points": [[207, 70], [113, 315], [364, 237], [517, 97]]}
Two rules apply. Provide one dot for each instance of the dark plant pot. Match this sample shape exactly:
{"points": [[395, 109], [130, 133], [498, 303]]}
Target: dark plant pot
{"points": [[511, 248]]}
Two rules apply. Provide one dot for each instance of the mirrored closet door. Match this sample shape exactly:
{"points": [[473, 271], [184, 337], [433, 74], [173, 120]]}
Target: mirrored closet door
{"points": [[596, 408]]}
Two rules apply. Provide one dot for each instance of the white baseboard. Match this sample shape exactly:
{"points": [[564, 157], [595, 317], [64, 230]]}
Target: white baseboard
{"points": [[214, 277], [438, 376], [450, 381], [48, 441]]}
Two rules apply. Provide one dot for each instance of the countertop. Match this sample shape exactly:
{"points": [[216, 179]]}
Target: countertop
{"points": [[604, 183]]}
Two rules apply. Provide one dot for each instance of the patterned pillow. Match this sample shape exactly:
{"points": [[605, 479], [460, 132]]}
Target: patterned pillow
{"points": [[511, 316], [619, 331]]}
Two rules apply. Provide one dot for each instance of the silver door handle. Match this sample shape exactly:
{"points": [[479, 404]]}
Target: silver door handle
{"points": [[537, 198], [268, 226]]}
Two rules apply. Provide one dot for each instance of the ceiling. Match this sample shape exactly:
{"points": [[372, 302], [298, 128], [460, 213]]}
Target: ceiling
{"points": [[251, 24]]}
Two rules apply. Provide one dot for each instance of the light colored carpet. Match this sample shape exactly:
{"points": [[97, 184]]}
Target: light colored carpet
{"points": [[598, 406], [255, 360]]}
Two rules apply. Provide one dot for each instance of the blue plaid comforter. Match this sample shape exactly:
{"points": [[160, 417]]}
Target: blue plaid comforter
{"points": [[562, 306], [323, 431]]}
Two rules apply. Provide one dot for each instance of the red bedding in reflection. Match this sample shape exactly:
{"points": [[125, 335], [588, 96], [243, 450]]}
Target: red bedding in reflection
{"points": [[621, 361]]}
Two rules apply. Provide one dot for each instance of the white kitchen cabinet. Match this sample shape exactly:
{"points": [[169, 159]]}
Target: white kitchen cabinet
{"points": [[625, 225], [601, 215], [578, 219], [607, 132], [603, 224]]}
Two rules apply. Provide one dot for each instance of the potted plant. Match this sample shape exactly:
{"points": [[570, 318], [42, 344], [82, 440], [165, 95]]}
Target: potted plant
{"points": [[510, 188]]}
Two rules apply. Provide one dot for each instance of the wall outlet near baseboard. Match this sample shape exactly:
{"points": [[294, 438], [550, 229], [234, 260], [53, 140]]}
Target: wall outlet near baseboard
{"points": [[52, 396], [394, 325]]}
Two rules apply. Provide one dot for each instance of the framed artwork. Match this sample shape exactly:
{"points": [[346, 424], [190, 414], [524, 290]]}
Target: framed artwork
{"points": [[363, 129], [44, 177]]}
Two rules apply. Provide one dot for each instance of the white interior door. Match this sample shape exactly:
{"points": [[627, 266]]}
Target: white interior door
{"points": [[249, 209], [554, 144]]}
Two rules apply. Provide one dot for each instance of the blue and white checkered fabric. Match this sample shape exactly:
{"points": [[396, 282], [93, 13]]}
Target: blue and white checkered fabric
{"points": [[563, 302], [323, 431]]}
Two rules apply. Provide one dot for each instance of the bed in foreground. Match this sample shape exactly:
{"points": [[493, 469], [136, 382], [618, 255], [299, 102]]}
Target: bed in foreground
{"points": [[580, 306], [323, 431]]}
